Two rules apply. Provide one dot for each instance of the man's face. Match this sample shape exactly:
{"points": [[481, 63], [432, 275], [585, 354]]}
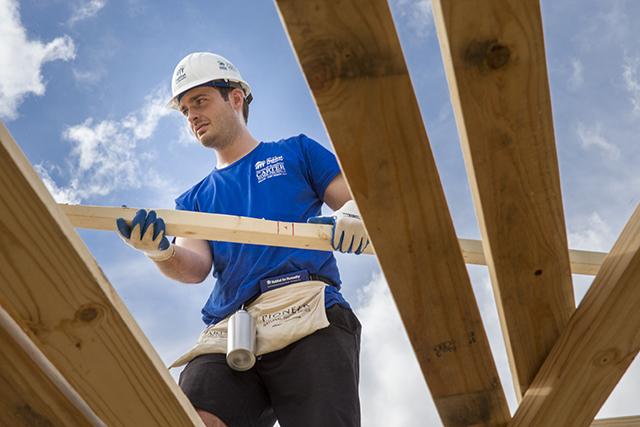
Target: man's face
{"points": [[212, 120]]}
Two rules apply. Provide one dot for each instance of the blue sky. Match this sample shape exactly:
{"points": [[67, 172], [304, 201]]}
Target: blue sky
{"points": [[82, 89]]}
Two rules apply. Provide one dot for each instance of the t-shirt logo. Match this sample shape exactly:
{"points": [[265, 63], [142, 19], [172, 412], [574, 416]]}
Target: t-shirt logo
{"points": [[270, 167]]}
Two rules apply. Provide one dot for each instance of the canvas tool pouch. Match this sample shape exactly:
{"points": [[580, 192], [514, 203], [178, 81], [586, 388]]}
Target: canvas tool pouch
{"points": [[283, 316]]}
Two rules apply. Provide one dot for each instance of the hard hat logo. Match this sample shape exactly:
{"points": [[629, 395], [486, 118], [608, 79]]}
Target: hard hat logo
{"points": [[201, 68], [180, 75]]}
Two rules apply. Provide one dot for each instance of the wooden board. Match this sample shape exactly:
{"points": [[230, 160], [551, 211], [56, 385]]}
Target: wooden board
{"points": [[494, 58], [32, 393], [229, 228], [353, 62], [225, 228], [54, 290], [598, 345], [582, 262], [618, 422]]}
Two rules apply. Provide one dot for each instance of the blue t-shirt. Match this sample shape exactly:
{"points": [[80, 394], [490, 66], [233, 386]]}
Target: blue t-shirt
{"points": [[282, 181]]}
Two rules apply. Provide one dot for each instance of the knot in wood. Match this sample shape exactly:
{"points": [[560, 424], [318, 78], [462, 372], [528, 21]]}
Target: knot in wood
{"points": [[88, 313], [31, 417], [606, 357], [497, 55], [329, 62], [487, 53], [321, 63]]}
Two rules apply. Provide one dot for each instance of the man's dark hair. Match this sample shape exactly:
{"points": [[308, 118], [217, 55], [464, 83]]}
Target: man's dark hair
{"points": [[224, 91]]}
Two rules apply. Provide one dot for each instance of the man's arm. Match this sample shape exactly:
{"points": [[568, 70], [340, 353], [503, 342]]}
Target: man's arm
{"points": [[348, 233], [337, 193], [191, 262]]}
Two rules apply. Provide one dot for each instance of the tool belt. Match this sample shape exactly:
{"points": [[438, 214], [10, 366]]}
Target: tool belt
{"points": [[289, 308]]}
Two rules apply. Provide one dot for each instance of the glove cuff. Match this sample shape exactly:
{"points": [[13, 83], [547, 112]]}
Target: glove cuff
{"points": [[163, 255], [349, 209]]}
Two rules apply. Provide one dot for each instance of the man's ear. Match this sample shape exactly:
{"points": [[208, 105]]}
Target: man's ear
{"points": [[237, 96]]}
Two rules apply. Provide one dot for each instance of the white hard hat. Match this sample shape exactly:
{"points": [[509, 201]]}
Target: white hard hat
{"points": [[199, 68]]}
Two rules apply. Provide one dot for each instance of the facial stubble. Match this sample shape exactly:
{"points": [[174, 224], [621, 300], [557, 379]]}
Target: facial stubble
{"points": [[225, 132]]}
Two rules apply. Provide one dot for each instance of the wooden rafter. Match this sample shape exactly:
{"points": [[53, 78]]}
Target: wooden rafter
{"points": [[54, 290], [33, 393], [598, 345], [494, 57], [351, 56]]}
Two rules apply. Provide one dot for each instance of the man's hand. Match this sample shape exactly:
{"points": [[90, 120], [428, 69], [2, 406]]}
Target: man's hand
{"points": [[348, 233], [146, 234]]}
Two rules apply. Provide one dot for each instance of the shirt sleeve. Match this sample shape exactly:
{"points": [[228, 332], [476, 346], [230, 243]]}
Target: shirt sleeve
{"points": [[322, 165], [180, 204]]}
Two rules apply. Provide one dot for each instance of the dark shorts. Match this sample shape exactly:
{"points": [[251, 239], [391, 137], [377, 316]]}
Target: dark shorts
{"points": [[312, 382]]}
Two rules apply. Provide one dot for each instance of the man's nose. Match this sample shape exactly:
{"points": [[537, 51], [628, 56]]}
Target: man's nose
{"points": [[192, 116]]}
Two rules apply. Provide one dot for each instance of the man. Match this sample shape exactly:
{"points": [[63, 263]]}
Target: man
{"points": [[312, 381]]}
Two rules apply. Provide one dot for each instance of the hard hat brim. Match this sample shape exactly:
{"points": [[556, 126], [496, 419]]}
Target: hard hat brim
{"points": [[174, 102]]}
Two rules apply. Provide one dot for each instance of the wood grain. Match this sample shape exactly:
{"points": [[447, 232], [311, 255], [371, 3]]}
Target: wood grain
{"points": [[596, 348], [207, 226], [494, 58], [32, 392], [617, 422], [352, 59], [54, 290]]}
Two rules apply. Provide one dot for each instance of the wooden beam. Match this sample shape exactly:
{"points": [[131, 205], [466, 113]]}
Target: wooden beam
{"points": [[54, 290], [617, 422], [353, 62], [582, 262], [225, 228], [494, 58], [596, 347], [228, 228], [32, 391]]}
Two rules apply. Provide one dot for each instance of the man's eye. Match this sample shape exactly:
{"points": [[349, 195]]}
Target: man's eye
{"points": [[200, 101], [185, 112]]}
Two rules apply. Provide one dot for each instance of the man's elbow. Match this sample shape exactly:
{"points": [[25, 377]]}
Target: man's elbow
{"points": [[192, 278], [196, 280]]}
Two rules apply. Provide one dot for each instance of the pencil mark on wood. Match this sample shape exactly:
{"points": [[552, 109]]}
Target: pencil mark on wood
{"points": [[472, 337], [445, 347]]}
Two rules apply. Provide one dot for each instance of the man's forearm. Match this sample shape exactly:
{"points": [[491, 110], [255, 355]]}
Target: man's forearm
{"points": [[185, 266]]}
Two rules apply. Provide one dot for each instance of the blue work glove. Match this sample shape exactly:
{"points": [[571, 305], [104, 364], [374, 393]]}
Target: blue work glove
{"points": [[348, 233], [146, 234]]}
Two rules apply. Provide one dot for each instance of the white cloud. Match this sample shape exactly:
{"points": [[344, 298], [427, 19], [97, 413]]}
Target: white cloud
{"points": [[185, 136], [392, 388], [86, 10], [592, 138], [106, 155], [21, 60], [87, 76], [144, 122], [630, 74], [591, 233], [417, 14], [577, 78], [61, 195]]}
